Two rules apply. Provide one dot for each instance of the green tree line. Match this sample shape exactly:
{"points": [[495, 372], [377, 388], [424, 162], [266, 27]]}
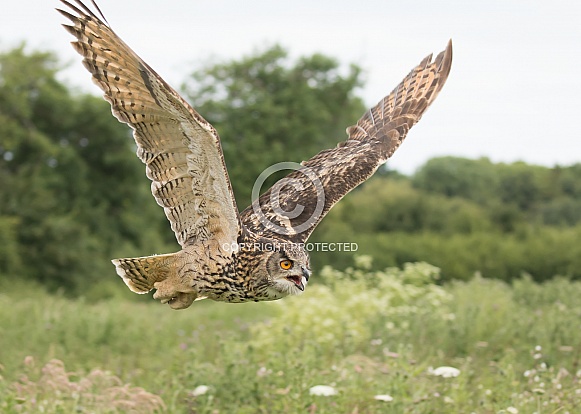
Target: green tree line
{"points": [[466, 216], [73, 194]]}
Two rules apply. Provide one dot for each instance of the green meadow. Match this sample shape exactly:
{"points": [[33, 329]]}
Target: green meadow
{"points": [[376, 339]]}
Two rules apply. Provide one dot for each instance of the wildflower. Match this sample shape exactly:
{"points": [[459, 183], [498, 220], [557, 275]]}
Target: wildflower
{"points": [[445, 372], [448, 400], [200, 390], [29, 362], [538, 348], [324, 390], [363, 262], [383, 397], [512, 410]]}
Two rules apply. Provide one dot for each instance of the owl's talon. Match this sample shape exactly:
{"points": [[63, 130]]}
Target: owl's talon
{"points": [[182, 300]]}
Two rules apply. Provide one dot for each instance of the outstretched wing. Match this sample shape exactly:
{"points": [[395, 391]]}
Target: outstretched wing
{"points": [[180, 149], [293, 207]]}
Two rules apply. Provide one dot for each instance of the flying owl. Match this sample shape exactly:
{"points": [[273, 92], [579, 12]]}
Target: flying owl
{"points": [[228, 256]]}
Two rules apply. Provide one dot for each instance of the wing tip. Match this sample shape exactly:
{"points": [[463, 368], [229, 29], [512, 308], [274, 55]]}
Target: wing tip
{"points": [[68, 15], [83, 12], [446, 58]]}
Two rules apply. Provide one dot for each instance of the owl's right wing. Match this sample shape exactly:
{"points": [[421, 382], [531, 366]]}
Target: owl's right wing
{"points": [[180, 149]]}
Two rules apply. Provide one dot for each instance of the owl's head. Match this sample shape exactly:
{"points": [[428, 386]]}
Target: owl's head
{"points": [[288, 271]]}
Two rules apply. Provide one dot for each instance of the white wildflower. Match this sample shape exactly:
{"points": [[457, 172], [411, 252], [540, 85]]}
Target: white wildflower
{"points": [[200, 390], [537, 356], [448, 400], [446, 372], [512, 410], [363, 262], [538, 348], [323, 390], [383, 397]]}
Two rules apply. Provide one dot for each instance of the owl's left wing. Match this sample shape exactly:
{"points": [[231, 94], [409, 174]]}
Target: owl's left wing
{"points": [[180, 149], [293, 207]]}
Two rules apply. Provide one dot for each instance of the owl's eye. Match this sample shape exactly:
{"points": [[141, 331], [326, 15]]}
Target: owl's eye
{"points": [[286, 264]]}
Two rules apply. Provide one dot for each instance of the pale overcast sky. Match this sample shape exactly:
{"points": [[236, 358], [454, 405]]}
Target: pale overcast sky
{"points": [[513, 93]]}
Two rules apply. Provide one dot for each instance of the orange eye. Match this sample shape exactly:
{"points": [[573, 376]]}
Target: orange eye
{"points": [[286, 264]]}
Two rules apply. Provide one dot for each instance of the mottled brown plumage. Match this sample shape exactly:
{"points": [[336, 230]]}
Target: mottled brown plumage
{"points": [[226, 256]]}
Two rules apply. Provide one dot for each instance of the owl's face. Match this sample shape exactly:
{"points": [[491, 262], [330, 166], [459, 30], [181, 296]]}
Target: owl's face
{"points": [[288, 271]]}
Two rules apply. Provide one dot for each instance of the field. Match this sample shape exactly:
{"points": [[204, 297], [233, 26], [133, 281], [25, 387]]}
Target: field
{"points": [[375, 339]]}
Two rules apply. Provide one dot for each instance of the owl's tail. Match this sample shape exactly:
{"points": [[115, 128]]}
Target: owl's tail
{"points": [[141, 273]]}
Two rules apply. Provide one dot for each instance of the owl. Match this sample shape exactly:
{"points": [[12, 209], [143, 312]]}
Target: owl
{"points": [[258, 254]]}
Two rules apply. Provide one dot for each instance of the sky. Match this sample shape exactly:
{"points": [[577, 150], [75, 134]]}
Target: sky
{"points": [[513, 93]]}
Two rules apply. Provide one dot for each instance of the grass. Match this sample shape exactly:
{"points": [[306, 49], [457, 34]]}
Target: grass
{"points": [[363, 333]]}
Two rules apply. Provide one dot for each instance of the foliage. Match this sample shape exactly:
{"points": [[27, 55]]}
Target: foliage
{"points": [[69, 179], [458, 214], [528, 188], [57, 390], [514, 346], [335, 309]]}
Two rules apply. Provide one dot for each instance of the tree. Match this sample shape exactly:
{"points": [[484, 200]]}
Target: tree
{"points": [[268, 109], [475, 180], [69, 179]]}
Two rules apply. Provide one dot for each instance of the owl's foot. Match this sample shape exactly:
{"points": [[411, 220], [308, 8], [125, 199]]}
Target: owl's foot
{"points": [[175, 295]]}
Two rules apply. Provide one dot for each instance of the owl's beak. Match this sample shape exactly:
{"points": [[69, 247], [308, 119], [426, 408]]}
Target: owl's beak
{"points": [[306, 273], [298, 281], [304, 279], [301, 281]]}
